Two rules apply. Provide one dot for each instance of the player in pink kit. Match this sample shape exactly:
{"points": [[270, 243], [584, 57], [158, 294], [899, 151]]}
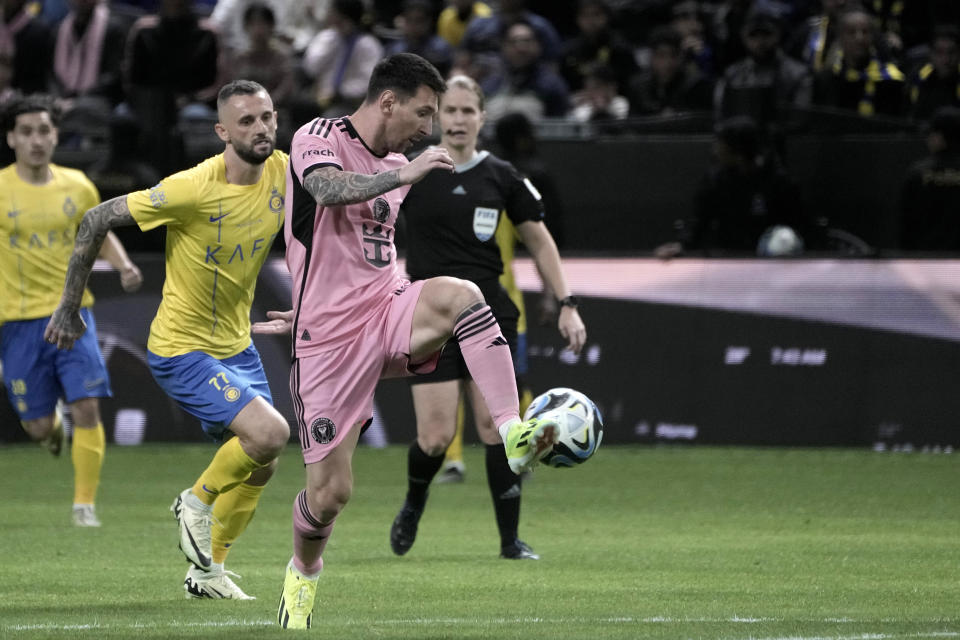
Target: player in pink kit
{"points": [[354, 320]]}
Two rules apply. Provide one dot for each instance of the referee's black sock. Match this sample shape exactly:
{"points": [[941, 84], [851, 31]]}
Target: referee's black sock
{"points": [[505, 491], [420, 471]]}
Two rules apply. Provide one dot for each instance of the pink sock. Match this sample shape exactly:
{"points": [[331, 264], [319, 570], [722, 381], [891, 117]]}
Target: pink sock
{"points": [[309, 538], [487, 355]]}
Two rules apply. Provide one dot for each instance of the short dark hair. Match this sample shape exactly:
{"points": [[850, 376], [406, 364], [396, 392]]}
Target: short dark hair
{"points": [[259, 11], [33, 103], [238, 88], [404, 73], [946, 122], [946, 32], [666, 35]]}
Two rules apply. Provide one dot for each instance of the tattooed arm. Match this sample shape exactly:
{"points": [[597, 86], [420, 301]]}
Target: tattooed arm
{"points": [[66, 325], [330, 186]]}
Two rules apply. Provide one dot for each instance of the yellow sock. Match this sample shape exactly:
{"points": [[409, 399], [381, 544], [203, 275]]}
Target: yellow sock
{"points": [[455, 450], [526, 397], [229, 467], [89, 446], [232, 513]]}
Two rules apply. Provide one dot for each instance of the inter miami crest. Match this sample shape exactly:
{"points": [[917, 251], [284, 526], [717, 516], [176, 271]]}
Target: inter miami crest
{"points": [[381, 210], [323, 430]]}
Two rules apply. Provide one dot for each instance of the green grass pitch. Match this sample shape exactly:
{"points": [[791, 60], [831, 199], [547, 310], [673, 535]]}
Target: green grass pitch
{"points": [[641, 542]]}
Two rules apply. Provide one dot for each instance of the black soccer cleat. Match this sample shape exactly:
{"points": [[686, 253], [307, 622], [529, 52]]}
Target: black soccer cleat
{"points": [[518, 550], [403, 532]]}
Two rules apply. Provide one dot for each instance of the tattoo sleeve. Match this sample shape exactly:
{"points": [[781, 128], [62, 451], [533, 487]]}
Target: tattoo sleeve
{"points": [[330, 186], [90, 234]]}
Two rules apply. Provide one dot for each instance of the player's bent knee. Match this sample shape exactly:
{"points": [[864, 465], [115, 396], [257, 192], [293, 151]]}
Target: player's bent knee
{"points": [[328, 501], [85, 412]]}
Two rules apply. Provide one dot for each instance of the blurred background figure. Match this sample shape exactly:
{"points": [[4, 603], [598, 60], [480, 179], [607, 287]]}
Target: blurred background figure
{"points": [[937, 82], [860, 80], [668, 86], [815, 41], [27, 38], [766, 85], [930, 201], [456, 17], [88, 54], [417, 35], [265, 58], [526, 82], [596, 43], [599, 101], [741, 197], [339, 61], [172, 69]]}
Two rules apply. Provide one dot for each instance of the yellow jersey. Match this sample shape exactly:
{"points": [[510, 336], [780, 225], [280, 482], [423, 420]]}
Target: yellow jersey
{"points": [[38, 224], [218, 236]]}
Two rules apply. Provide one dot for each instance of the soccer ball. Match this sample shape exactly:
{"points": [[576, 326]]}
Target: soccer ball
{"points": [[581, 425]]}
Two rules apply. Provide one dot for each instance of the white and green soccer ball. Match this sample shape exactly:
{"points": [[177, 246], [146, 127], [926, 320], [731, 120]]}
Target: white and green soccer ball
{"points": [[581, 425]]}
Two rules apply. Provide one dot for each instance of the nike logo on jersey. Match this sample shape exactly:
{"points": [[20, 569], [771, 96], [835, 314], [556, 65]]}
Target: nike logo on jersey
{"points": [[220, 211], [459, 190]]}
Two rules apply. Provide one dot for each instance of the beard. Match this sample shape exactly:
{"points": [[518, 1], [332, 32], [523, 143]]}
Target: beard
{"points": [[248, 155]]}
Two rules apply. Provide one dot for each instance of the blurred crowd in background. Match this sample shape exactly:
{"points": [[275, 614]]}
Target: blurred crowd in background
{"points": [[142, 75]]}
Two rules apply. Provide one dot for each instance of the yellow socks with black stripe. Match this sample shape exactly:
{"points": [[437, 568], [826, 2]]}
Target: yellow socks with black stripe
{"points": [[230, 466], [89, 447], [232, 512]]}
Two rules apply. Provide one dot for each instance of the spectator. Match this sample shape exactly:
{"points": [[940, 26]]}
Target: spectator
{"points": [[689, 21], [526, 83], [599, 101], [767, 85], [815, 42], [264, 59], [741, 198], [341, 58], [930, 201], [517, 139], [859, 79], [668, 86], [228, 19], [483, 35], [172, 58], [727, 26], [596, 44], [416, 27], [88, 54], [456, 17], [937, 83], [28, 40]]}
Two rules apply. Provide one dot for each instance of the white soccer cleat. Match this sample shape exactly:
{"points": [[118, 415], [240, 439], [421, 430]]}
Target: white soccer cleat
{"points": [[214, 584], [85, 515], [195, 538]]}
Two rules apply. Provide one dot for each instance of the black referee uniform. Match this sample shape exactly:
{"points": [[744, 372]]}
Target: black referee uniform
{"points": [[451, 221]]}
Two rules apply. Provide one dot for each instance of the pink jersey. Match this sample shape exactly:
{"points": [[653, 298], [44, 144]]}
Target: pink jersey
{"points": [[342, 258]]}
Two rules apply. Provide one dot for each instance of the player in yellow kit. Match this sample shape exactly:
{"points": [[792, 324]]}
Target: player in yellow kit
{"points": [[42, 204], [221, 218]]}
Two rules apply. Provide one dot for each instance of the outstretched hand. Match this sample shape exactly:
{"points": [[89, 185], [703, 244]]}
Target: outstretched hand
{"points": [[280, 322], [64, 328]]}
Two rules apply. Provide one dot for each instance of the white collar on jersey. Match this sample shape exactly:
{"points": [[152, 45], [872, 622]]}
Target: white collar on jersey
{"points": [[472, 162], [469, 164]]}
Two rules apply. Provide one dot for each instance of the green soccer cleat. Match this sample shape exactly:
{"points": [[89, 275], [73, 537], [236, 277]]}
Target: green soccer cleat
{"points": [[296, 599], [527, 442]]}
